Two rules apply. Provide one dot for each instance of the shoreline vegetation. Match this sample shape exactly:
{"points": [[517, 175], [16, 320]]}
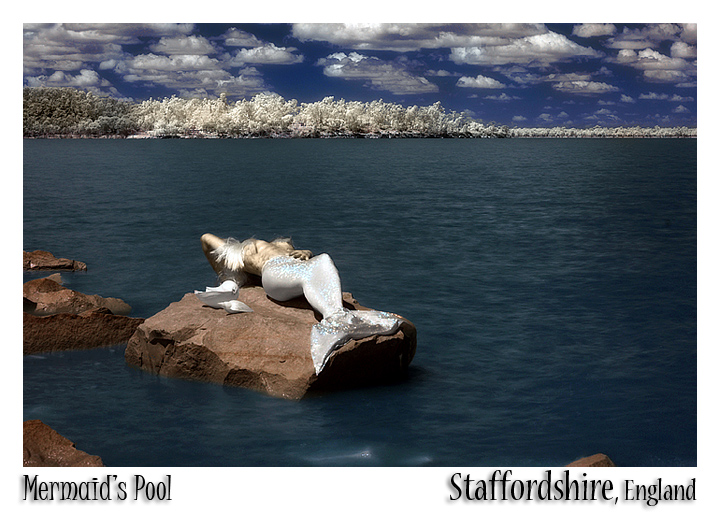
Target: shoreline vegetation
{"points": [[50, 112]]}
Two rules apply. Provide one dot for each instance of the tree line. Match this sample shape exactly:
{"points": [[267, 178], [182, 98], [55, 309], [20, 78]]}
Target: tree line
{"points": [[68, 112]]}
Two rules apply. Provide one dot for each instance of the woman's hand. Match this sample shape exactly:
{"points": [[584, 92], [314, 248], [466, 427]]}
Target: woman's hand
{"points": [[301, 254]]}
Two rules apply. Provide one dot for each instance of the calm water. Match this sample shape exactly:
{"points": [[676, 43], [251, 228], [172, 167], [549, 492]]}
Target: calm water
{"points": [[552, 283]]}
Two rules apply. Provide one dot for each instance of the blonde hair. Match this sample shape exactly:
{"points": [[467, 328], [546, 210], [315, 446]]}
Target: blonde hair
{"points": [[230, 255]]}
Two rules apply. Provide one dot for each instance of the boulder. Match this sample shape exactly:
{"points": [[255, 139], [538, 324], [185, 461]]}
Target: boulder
{"points": [[93, 328], [45, 447], [267, 349], [45, 261], [596, 460], [51, 297]]}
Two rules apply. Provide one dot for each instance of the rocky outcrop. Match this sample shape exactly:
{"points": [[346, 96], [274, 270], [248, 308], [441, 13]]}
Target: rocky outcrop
{"points": [[45, 447], [45, 261], [596, 460], [56, 318], [267, 349], [61, 332], [51, 297]]}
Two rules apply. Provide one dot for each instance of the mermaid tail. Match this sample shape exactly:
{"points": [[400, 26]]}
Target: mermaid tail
{"points": [[224, 296], [335, 330]]}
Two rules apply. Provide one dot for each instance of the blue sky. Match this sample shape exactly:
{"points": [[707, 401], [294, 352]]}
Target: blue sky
{"points": [[526, 74]]}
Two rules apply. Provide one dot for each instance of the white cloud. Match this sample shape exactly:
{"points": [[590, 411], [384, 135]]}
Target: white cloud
{"points": [[504, 97], [665, 96], [404, 37], [649, 36], [237, 37], [681, 49], [584, 87], [85, 79], [540, 50], [626, 99], [665, 75], [154, 62], [594, 29], [442, 73], [266, 54], [376, 73], [656, 66], [689, 32], [183, 45], [480, 82], [681, 109], [519, 119]]}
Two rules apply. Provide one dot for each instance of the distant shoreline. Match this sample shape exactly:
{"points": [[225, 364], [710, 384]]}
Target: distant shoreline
{"points": [[358, 136], [73, 114]]}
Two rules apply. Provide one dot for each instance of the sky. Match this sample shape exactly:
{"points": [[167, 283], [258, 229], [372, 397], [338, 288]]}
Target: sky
{"points": [[515, 74]]}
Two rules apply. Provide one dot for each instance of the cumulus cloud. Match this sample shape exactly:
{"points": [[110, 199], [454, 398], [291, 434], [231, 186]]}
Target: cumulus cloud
{"points": [[480, 82], [237, 37], [405, 37], [656, 66], [539, 50], [649, 36], [376, 73], [682, 50], [594, 29], [183, 45], [174, 57], [584, 87], [266, 54]]}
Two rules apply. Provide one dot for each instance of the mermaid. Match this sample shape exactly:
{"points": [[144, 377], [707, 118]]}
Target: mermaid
{"points": [[287, 273]]}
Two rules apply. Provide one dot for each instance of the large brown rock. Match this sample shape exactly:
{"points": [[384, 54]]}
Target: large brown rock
{"points": [[267, 349], [45, 261], [51, 297], [45, 447]]}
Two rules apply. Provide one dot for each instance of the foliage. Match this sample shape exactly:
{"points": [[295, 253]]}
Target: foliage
{"points": [[51, 111], [66, 112]]}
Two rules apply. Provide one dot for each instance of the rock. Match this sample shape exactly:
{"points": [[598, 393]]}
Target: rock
{"points": [[50, 297], [45, 447], [45, 261], [596, 460], [267, 349], [60, 332]]}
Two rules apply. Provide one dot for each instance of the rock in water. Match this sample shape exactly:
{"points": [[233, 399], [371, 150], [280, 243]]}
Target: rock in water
{"points": [[56, 318], [596, 460], [61, 332], [45, 261], [45, 447], [267, 349], [50, 297]]}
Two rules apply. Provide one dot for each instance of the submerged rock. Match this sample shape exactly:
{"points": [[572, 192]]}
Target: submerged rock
{"points": [[56, 318], [45, 261], [45, 447], [267, 349]]}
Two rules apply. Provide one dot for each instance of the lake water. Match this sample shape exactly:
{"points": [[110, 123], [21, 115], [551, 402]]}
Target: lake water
{"points": [[552, 283]]}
